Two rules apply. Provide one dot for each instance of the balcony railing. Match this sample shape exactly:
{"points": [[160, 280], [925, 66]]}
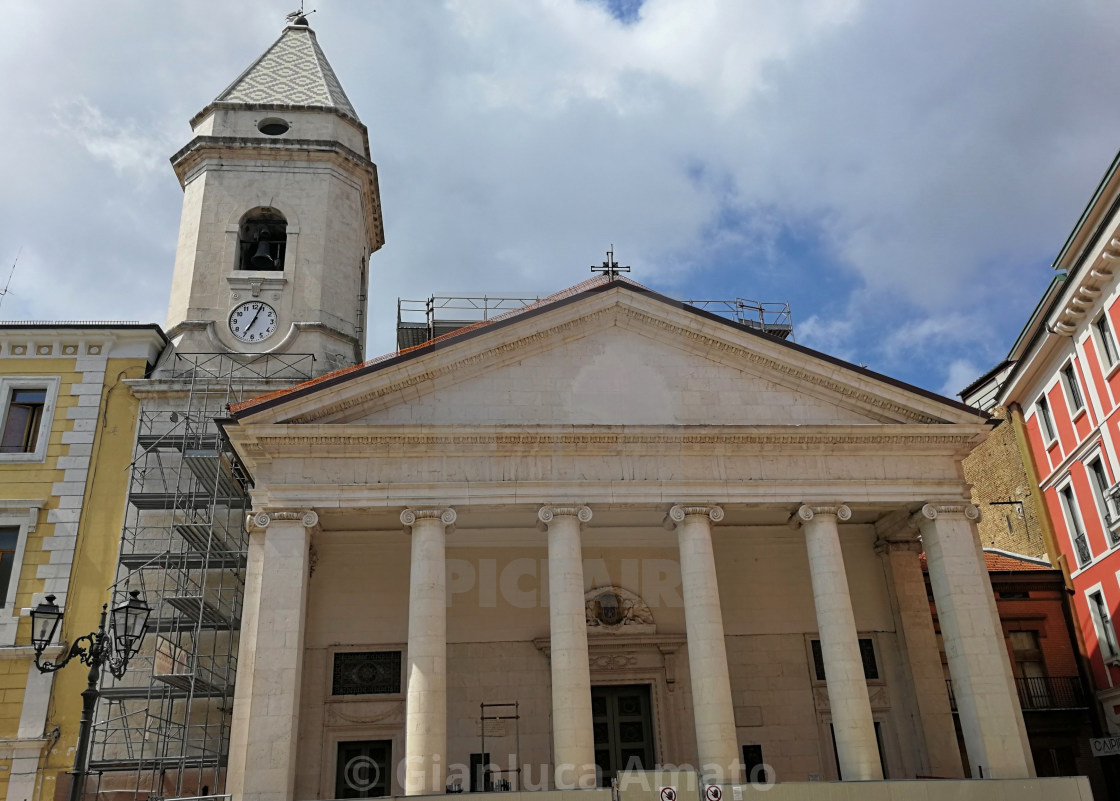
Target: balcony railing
{"points": [[1043, 693], [1112, 504], [1084, 555]]}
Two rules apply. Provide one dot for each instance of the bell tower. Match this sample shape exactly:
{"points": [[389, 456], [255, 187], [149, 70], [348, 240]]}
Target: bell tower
{"points": [[281, 212]]}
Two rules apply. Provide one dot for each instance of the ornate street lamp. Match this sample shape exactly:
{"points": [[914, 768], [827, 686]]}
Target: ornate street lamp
{"points": [[112, 649]]}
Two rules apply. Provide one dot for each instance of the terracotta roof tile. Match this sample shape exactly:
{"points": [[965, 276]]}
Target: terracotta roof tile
{"points": [[583, 286], [998, 561]]}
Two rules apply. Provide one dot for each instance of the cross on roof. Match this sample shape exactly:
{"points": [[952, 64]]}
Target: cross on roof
{"points": [[610, 268]]}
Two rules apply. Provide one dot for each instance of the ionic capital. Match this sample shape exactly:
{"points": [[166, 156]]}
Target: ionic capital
{"points": [[546, 514], [808, 511], [678, 512], [932, 511], [259, 521], [444, 514]]}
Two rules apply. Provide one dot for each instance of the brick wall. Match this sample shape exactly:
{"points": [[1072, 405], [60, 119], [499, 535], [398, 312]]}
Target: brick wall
{"points": [[995, 471]]}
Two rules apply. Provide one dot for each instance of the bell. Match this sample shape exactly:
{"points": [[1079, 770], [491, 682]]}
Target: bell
{"points": [[262, 259]]}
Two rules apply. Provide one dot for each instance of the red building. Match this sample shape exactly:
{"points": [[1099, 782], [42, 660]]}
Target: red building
{"points": [[1037, 622], [1061, 385]]}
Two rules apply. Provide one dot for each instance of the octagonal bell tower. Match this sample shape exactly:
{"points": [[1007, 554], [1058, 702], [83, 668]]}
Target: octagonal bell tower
{"points": [[281, 212]]}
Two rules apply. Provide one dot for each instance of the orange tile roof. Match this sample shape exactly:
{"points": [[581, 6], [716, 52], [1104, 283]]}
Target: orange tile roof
{"points": [[582, 286], [998, 561]]}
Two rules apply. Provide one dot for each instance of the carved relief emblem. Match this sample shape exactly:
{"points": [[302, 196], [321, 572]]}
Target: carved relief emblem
{"points": [[615, 608]]}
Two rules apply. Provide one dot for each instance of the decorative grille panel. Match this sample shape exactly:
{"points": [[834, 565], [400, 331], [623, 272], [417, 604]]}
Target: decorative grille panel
{"points": [[366, 672]]}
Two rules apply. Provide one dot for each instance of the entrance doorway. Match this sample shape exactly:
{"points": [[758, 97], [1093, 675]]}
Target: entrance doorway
{"points": [[623, 723], [364, 769]]}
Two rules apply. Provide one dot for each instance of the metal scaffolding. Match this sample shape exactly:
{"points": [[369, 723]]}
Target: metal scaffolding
{"points": [[163, 729], [420, 321]]}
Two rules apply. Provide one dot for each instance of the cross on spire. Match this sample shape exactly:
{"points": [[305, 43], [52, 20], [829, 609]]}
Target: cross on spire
{"points": [[610, 268]]}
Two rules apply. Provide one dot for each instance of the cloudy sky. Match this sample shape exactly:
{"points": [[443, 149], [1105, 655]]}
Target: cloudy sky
{"points": [[903, 173]]}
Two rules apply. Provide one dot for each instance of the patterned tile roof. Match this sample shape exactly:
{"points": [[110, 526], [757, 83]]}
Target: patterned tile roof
{"points": [[294, 72]]}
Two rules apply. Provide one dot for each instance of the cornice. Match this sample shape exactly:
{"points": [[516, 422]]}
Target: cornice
{"points": [[338, 440], [472, 494], [74, 341], [237, 147], [1081, 295]]}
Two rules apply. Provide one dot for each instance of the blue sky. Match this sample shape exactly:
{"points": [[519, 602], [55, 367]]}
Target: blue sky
{"points": [[902, 173]]}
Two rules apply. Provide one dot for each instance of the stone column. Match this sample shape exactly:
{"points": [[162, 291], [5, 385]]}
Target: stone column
{"points": [[988, 707], [425, 737], [941, 756], [852, 725], [712, 708], [265, 725], [573, 740]]}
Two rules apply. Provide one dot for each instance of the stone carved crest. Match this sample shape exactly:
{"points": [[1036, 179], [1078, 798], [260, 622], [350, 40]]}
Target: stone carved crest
{"points": [[616, 609]]}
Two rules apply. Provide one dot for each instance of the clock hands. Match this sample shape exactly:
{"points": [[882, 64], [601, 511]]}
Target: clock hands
{"points": [[255, 316], [245, 327]]}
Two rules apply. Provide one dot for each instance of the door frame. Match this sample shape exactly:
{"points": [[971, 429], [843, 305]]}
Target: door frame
{"points": [[653, 728]]}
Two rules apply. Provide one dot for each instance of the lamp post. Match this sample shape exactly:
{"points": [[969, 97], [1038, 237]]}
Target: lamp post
{"points": [[127, 624]]}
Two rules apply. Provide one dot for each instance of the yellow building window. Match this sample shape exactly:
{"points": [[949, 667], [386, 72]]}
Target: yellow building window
{"points": [[21, 421], [9, 537]]}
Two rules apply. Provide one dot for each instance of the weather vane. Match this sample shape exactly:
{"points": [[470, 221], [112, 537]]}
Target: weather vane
{"points": [[610, 268], [299, 17]]}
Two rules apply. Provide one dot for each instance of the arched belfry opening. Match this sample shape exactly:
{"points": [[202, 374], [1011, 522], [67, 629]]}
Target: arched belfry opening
{"points": [[262, 238]]}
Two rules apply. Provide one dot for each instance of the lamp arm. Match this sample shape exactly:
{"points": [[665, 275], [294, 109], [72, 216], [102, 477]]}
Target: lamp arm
{"points": [[76, 650]]}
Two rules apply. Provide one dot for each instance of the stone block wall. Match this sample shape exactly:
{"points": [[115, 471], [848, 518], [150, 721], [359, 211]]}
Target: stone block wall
{"points": [[997, 475]]}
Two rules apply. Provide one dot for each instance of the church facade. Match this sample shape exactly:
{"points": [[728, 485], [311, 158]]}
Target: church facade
{"points": [[602, 534]]}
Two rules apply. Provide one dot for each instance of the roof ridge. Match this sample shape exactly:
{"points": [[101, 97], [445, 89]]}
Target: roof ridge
{"points": [[327, 73]]}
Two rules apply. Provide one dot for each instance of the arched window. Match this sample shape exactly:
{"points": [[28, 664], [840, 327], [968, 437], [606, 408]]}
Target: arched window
{"points": [[263, 235]]}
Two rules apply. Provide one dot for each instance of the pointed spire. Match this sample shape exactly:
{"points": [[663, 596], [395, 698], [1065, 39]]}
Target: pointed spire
{"points": [[292, 72]]}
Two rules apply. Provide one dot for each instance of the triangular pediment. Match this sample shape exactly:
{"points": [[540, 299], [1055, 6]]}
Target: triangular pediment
{"points": [[613, 375], [617, 357]]}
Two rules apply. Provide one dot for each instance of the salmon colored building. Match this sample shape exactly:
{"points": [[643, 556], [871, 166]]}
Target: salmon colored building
{"points": [[1061, 385]]}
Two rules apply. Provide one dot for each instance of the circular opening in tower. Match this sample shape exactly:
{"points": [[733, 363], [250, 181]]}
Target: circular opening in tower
{"points": [[273, 127]]}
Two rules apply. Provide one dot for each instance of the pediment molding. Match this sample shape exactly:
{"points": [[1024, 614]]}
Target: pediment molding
{"points": [[798, 375], [458, 367], [459, 361], [330, 440]]}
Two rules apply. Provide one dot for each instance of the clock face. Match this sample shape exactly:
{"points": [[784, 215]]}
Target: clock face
{"points": [[253, 321]]}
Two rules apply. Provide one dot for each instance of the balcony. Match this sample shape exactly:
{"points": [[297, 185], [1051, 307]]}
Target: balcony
{"points": [[1112, 505], [1043, 693]]}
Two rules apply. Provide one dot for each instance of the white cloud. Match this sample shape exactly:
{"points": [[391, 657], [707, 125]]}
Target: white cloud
{"points": [[941, 163], [960, 373], [117, 142]]}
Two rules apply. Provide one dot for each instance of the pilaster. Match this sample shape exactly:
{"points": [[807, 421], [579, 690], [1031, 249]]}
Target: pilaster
{"points": [[941, 755]]}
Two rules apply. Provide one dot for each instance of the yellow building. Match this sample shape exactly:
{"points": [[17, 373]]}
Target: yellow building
{"points": [[67, 421]]}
